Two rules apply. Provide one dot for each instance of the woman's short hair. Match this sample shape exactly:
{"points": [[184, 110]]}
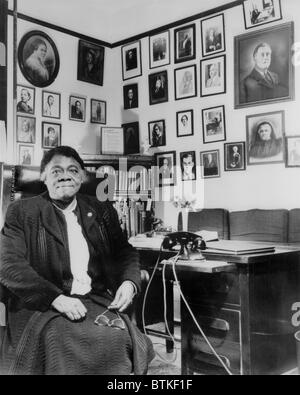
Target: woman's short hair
{"points": [[62, 150], [37, 42]]}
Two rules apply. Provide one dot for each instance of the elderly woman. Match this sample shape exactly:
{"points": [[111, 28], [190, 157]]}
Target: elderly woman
{"points": [[69, 275], [264, 143]]}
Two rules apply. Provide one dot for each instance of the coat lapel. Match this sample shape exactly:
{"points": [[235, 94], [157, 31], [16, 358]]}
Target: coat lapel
{"points": [[261, 80]]}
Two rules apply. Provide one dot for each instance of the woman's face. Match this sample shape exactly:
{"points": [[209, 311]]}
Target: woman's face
{"points": [[213, 71], [156, 129], [265, 132], [25, 126], [24, 96], [158, 84], [89, 58], [41, 51]]}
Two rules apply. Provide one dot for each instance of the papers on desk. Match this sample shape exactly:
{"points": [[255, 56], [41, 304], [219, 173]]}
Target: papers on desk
{"points": [[237, 247], [208, 235], [142, 241]]}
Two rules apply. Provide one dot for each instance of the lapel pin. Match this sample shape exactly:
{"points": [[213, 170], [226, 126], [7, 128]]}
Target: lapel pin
{"points": [[90, 215]]}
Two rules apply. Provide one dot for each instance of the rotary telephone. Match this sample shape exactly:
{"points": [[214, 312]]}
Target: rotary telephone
{"points": [[191, 245]]}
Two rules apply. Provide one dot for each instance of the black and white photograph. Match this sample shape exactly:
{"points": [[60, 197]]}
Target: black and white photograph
{"points": [[213, 35], [266, 138], [157, 133], [26, 155], [158, 87], [188, 166], [131, 138], [214, 125], [90, 63], [77, 110], [25, 99], [264, 70], [51, 104], [38, 58], [131, 96], [185, 43], [210, 164], [131, 60], [98, 111], [185, 82], [159, 49], [213, 76], [51, 135], [293, 151], [165, 168], [185, 123], [260, 12], [26, 129], [234, 156]]}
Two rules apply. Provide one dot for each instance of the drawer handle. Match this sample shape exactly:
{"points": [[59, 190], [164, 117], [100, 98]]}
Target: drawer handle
{"points": [[215, 323]]}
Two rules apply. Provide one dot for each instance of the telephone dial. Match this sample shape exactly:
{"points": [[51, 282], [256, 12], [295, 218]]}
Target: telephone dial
{"points": [[191, 245]]}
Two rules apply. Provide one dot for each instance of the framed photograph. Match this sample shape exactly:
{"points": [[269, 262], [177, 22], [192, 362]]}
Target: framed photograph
{"points": [[25, 99], [157, 133], [234, 156], [38, 58], [51, 104], [264, 70], [159, 49], [210, 164], [26, 129], [185, 123], [213, 35], [188, 166], [98, 111], [90, 63], [185, 43], [260, 12], [26, 155], [214, 125], [77, 108], [158, 87], [266, 138], [51, 135], [292, 151], [131, 60], [166, 168], [185, 82], [131, 96], [112, 141], [213, 76], [131, 138]]}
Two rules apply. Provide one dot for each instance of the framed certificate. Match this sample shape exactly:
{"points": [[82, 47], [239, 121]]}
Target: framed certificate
{"points": [[112, 141]]}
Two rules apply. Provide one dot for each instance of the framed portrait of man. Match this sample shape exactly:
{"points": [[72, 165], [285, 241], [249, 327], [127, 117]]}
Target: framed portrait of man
{"points": [[293, 151], [77, 108], [234, 156], [26, 129], [185, 43], [130, 96], [131, 60], [90, 62], [38, 58], [26, 155], [185, 82], [185, 123], [214, 125], [260, 12], [266, 138], [25, 99], [213, 76], [157, 133], [264, 70], [159, 49], [98, 111], [51, 104], [158, 87], [165, 168], [131, 138], [51, 135], [213, 35], [210, 164], [188, 166]]}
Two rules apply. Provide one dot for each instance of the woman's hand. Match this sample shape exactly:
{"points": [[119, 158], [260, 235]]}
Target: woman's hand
{"points": [[123, 297], [73, 308]]}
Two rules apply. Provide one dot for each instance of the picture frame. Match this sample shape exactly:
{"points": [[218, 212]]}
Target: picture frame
{"points": [[188, 166], [26, 155], [159, 49], [130, 96], [51, 135], [185, 79], [185, 43], [213, 76], [278, 84], [235, 156], [158, 87], [25, 99], [131, 138], [77, 108], [185, 123], [98, 111], [38, 58], [261, 12], [266, 138], [131, 60], [112, 140], [90, 66], [214, 124], [157, 133], [210, 164], [165, 168], [292, 151], [51, 104], [213, 35], [26, 129]]}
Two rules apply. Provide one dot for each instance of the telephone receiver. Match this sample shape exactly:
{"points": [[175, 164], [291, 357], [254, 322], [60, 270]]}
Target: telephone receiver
{"points": [[190, 245]]}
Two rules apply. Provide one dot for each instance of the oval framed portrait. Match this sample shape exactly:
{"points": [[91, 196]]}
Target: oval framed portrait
{"points": [[38, 58]]}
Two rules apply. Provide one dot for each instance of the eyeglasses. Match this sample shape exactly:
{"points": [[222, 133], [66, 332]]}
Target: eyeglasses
{"points": [[103, 320]]}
